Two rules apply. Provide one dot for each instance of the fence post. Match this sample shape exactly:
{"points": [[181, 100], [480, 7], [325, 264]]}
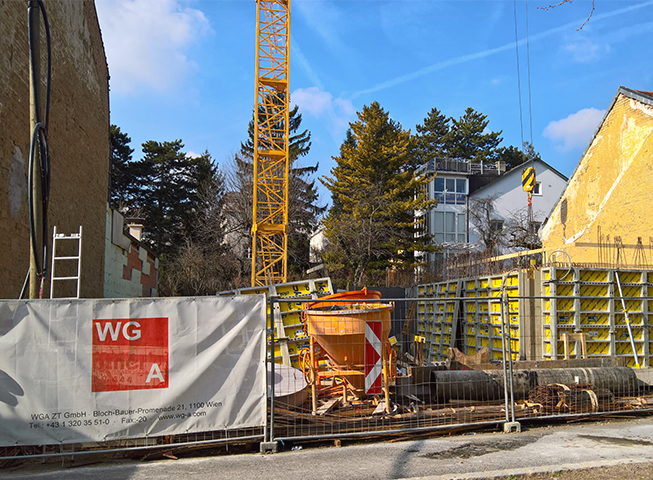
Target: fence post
{"points": [[511, 425], [269, 445]]}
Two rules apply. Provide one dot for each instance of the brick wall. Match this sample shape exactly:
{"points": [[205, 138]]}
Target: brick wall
{"points": [[78, 137]]}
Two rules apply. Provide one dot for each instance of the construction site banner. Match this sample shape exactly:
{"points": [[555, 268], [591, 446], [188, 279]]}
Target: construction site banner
{"points": [[95, 370]]}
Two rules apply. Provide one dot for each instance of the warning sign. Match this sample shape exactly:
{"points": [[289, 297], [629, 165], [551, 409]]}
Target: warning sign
{"points": [[130, 354], [528, 179], [373, 357]]}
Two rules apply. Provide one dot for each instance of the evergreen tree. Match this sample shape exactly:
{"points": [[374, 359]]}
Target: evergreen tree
{"points": [[376, 193], [303, 207], [468, 139], [203, 264], [514, 156], [167, 184], [433, 137], [120, 155]]}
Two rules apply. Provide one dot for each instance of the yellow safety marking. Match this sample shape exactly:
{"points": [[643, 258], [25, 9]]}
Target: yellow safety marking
{"points": [[528, 179]]}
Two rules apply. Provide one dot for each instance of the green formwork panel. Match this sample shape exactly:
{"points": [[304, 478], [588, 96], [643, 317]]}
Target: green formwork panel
{"points": [[587, 300]]}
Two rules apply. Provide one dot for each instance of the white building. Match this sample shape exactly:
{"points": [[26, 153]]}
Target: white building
{"points": [[451, 183], [454, 183], [510, 201]]}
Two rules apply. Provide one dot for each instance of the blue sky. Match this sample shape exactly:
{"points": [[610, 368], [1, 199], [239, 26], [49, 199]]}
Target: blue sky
{"points": [[184, 69]]}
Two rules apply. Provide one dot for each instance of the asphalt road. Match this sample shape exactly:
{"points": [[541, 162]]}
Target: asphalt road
{"points": [[486, 455]]}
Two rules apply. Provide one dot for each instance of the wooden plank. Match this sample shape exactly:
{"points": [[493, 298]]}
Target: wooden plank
{"points": [[328, 406]]}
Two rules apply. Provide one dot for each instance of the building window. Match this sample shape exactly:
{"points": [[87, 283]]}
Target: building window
{"points": [[450, 191], [496, 225], [538, 188], [462, 228], [450, 227]]}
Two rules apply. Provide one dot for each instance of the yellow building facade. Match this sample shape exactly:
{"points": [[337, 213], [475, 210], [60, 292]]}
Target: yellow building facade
{"points": [[605, 215]]}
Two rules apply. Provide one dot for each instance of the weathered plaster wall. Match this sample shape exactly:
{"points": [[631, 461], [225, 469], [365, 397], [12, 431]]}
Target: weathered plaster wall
{"points": [[78, 135], [611, 187]]}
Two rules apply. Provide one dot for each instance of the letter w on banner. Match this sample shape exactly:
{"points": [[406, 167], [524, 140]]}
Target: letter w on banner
{"points": [[373, 357]]}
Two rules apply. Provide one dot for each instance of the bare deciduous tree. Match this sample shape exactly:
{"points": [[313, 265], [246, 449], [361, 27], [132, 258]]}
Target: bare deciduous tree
{"points": [[521, 230], [547, 8], [482, 215]]}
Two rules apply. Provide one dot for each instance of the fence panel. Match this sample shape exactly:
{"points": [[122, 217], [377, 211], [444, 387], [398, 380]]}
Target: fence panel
{"points": [[447, 368], [77, 371]]}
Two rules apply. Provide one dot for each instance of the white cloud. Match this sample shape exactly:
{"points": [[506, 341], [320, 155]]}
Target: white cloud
{"points": [[576, 130], [192, 154], [320, 104], [313, 101], [146, 42], [584, 50]]}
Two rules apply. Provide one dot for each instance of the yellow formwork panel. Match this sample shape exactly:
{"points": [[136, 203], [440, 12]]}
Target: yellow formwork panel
{"points": [[292, 319], [296, 333], [293, 290], [323, 286], [594, 307], [594, 319], [593, 276], [290, 306]]}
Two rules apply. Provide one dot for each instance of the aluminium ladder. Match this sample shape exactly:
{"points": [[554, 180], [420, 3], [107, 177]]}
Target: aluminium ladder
{"points": [[57, 237]]}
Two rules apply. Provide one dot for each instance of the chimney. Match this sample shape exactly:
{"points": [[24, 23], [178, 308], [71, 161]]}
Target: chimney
{"points": [[135, 226]]}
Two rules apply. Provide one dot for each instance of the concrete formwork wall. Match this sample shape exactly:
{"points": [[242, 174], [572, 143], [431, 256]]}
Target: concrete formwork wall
{"points": [[78, 137], [610, 189], [289, 333], [542, 307], [467, 314], [582, 300]]}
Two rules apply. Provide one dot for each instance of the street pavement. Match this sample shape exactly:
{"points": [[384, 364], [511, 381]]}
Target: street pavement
{"points": [[483, 455]]}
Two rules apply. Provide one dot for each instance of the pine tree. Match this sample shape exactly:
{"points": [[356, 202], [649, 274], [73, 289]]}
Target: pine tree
{"points": [[376, 192], [168, 183], [433, 137], [120, 156], [514, 157], [303, 198], [468, 140]]}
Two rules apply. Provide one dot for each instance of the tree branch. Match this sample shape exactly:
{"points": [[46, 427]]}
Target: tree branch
{"points": [[570, 1]]}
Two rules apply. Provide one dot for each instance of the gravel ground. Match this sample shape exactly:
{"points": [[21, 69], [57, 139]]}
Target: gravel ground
{"points": [[633, 471]]}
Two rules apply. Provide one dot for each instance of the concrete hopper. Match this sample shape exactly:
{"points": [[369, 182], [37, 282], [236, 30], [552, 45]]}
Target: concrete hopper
{"points": [[340, 331]]}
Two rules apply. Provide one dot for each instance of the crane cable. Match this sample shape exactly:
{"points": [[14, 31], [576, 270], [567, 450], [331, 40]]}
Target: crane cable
{"points": [[39, 145], [528, 70], [530, 104], [521, 116]]}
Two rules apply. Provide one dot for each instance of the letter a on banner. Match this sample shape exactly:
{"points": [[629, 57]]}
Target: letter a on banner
{"points": [[373, 359]]}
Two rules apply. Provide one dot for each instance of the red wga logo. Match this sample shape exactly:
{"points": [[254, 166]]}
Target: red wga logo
{"points": [[130, 354]]}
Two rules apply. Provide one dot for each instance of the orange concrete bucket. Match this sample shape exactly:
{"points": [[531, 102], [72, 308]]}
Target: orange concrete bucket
{"points": [[363, 294], [340, 331]]}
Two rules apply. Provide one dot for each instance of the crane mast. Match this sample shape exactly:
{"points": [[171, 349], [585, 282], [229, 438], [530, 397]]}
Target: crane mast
{"points": [[271, 162]]}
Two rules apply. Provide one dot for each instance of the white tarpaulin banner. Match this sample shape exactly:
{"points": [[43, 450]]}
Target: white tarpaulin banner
{"points": [[95, 370]]}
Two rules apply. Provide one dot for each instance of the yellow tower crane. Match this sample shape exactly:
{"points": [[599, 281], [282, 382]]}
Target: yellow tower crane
{"points": [[271, 163]]}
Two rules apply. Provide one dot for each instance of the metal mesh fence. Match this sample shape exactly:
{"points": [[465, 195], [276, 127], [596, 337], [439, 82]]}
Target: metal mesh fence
{"points": [[452, 355], [463, 353]]}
